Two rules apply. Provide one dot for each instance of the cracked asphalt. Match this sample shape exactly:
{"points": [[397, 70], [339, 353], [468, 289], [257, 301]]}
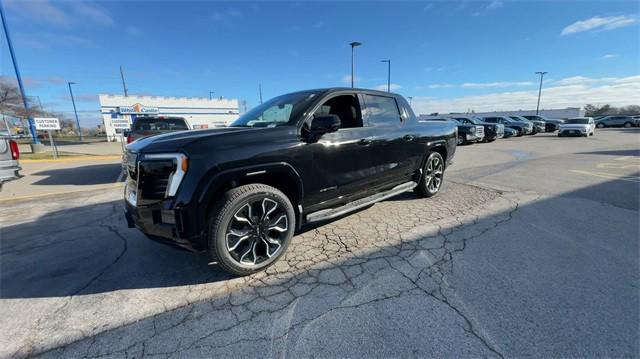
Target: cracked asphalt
{"points": [[518, 256]]}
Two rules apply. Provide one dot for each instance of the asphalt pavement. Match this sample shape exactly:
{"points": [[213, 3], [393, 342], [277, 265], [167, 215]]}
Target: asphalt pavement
{"points": [[530, 250]]}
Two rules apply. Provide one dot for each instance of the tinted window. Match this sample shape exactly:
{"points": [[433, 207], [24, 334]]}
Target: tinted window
{"points": [[382, 110], [159, 124]]}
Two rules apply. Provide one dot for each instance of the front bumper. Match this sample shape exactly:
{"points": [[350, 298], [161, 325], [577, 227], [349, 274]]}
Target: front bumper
{"points": [[160, 222], [572, 132]]}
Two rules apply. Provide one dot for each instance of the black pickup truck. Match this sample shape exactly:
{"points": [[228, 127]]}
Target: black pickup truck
{"points": [[240, 193]]}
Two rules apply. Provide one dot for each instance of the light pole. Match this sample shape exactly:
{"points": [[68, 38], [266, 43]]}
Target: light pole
{"points": [[32, 126], [74, 109], [353, 46], [541, 73], [211, 95], [388, 74]]}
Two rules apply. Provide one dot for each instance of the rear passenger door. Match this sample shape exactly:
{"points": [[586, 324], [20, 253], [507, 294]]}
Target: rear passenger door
{"points": [[390, 144]]}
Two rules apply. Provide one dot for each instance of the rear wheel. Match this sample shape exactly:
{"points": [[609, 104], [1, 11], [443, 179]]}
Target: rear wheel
{"points": [[600, 125], [462, 140], [627, 124], [250, 229], [432, 176]]}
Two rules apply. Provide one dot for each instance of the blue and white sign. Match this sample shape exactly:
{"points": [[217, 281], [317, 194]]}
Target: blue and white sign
{"points": [[136, 109]]}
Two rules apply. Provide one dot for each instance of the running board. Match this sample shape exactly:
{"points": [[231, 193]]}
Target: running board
{"points": [[331, 213]]}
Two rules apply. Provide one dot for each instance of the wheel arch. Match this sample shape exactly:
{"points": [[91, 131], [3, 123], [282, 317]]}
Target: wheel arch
{"points": [[280, 175]]}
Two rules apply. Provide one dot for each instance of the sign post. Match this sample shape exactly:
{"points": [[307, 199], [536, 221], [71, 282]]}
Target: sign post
{"points": [[48, 124], [121, 124]]}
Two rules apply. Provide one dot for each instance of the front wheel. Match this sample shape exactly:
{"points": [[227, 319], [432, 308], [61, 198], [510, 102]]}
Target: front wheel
{"points": [[462, 140], [250, 228], [432, 176], [600, 125]]}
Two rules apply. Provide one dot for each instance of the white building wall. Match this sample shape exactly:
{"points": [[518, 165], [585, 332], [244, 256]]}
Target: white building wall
{"points": [[197, 111]]}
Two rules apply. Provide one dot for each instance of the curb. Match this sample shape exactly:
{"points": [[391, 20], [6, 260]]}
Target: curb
{"points": [[74, 159]]}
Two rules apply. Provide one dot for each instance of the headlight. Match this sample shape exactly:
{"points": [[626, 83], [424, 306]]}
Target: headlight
{"points": [[169, 167]]}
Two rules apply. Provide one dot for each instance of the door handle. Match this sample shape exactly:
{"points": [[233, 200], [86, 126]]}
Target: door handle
{"points": [[408, 137], [364, 142]]}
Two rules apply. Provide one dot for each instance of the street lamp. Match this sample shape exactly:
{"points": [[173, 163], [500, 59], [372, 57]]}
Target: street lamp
{"points": [[388, 74], [353, 46], [211, 95], [74, 109], [541, 73]]}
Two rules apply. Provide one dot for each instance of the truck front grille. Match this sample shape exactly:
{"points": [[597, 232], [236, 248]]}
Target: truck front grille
{"points": [[153, 179]]}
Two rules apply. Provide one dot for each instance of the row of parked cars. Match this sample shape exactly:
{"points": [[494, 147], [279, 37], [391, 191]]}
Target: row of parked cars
{"points": [[489, 128]]}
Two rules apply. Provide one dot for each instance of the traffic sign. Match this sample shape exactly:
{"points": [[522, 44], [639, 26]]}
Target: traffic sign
{"points": [[120, 123], [47, 123]]}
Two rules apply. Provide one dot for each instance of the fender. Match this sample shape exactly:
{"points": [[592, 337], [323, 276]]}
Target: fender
{"points": [[211, 185]]}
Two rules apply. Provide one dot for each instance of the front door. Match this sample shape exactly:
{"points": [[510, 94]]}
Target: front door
{"points": [[341, 161]]}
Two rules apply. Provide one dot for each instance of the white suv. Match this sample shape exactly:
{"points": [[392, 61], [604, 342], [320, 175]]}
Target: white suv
{"points": [[577, 126]]}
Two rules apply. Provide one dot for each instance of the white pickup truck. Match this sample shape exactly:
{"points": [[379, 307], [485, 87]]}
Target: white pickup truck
{"points": [[9, 155]]}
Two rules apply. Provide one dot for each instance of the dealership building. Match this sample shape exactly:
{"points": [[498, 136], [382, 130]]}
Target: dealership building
{"points": [[119, 112]]}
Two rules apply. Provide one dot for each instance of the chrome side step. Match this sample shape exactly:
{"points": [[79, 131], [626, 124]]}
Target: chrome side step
{"points": [[331, 213]]}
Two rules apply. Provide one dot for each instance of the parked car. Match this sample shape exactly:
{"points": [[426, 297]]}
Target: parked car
{"points": [[636, 120], [9, 156], [509, 132], [466, 133], [615, 121], [522, 128], [538, 125], [577, 126], [492, 131], [239, 193], [154, 125], [550, 124]]}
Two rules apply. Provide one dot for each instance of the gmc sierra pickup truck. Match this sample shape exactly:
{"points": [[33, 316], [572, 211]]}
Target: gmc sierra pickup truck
{"points": [[240, 193]]}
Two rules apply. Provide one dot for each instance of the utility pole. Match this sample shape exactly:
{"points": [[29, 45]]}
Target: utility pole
{"points": [[353, 46], [260, 92], [541, 73], [124, 84], [211, 95], [74, 109], [32, 127], [388, 75]]}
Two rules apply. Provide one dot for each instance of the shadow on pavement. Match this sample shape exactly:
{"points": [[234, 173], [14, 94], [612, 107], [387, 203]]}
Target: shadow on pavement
{"points": [[81, 176], [613, 153], [549, 271]]}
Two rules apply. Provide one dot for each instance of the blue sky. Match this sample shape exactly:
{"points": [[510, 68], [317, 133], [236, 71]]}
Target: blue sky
{"points": [[450, 56]]}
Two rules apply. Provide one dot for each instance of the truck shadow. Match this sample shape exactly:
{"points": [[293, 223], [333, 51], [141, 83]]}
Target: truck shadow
{"points": [[81, 176]]}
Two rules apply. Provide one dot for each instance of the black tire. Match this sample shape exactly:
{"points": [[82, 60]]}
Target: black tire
{"points": [[462, 140], [520, 133], [559, 135], [225, 224], [600, 125], [627, 124], [432, 176]]}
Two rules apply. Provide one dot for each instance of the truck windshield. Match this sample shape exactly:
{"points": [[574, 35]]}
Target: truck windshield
{"points": [[279, 111], [159, 124]]}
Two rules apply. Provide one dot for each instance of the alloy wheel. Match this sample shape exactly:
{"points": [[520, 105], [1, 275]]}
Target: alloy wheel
{"points": [[256, 231], [460, 140], [435, 169]]}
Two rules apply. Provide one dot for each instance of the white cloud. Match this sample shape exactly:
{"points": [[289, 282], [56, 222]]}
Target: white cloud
{"points": [[41, 10], [580, 80], [224, 15], [614, 91], [495, 84], [346, 79], [599, 23], [384, 87], [610, 56], [495, 4], [93, 13]]}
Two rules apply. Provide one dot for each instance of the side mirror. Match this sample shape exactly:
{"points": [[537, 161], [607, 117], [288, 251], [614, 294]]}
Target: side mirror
{"points": [[324, 124]]}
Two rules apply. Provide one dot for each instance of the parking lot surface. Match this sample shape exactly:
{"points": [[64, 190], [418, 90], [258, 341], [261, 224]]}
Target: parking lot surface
{"points": [[530, 250]]}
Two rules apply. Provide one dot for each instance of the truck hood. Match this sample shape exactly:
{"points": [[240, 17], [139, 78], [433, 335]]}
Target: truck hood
{"points": [[174, 141]]}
